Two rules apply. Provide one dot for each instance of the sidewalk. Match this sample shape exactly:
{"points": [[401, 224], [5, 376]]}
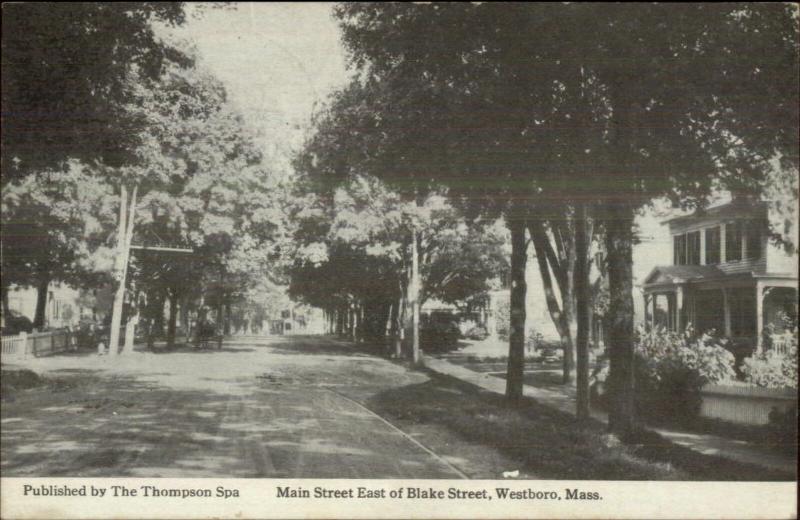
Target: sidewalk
{"points": [[736, 450]]}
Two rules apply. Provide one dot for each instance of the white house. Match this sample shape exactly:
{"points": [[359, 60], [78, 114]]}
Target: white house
{"points": [[725, 275]]}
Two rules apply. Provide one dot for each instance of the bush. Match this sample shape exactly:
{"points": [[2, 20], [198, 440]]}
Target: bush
{"points": [[773, 370], [439, 333], [670, 369], [782, 429]]}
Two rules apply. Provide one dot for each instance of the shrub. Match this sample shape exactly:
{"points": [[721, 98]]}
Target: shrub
{"points": [[671, 368], [439, 333], [771, 369], [782, 429]]}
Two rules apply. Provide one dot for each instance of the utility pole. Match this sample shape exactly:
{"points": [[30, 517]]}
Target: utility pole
{"points": [[127, 217], [124, 234]]}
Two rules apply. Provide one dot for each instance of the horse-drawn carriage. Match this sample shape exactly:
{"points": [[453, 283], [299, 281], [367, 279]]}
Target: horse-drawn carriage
{"points": [[207, 335]]}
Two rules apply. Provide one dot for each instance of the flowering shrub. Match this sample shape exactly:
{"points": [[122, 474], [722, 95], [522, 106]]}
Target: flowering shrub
{"points": [[771, 369], [671, 368], [661, 353]]}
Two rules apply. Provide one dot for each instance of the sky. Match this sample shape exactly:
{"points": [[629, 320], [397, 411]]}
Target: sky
{"points": [[276, 60]]}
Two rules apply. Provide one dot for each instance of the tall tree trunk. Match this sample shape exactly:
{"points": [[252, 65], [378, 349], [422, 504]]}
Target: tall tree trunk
{"points": [[155, 314], [358, 328], [568, 298], [185, 315], [618, 240], [131, 323], [227, 327], [41, 302], [352, 321], [387, 329], [218, 327], [582, 302], [173, 318], [413, 296], [400, 330], [516, 347], [543, 259]]}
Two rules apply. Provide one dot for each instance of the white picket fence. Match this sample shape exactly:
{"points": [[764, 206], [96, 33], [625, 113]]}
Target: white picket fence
{"points": [[37, 344], [745, 404]]}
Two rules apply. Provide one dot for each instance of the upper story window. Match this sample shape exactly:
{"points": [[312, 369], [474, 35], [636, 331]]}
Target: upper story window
{"points": [[679, 249], [693, 248], [686, 249], [753, 241], [743, 240], [733, 241], [713, 245]]}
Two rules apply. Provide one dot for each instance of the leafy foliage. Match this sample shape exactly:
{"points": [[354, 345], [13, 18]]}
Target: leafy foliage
{"points": [[66, 71], [771, 369], [672, 368]]}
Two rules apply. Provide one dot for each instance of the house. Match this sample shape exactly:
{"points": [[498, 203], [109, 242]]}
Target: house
{"points": [[65, 305], [725, 275]]}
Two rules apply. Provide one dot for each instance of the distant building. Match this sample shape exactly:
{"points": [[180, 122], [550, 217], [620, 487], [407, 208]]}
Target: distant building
{"points": [[66, 306], [725, 275]]}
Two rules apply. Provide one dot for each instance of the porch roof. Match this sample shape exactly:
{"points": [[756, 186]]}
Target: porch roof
{"points": [[671, 274]]}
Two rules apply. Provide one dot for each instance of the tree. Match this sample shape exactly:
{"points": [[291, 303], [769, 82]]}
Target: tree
{"points": [[66, 92], [205, 188], [53, 230], [540, 99], [65, 80], [355, 247]]}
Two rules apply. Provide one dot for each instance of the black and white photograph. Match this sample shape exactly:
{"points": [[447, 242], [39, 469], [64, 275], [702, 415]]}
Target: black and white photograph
{"points": [[399, 260]]}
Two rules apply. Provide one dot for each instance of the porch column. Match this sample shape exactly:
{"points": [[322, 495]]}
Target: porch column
{"points": [[679, 309], [702, 247], [726, 312], [759, 316], [647, 320]]}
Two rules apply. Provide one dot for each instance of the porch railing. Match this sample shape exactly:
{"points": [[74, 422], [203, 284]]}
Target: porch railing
{"points": [[779, 343]]}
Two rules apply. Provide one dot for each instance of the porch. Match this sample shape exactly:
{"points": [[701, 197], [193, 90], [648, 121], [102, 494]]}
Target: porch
{"points": [[749, 310]]}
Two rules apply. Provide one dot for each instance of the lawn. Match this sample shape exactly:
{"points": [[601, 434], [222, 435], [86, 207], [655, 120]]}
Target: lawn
{"points": [[545, 443]]}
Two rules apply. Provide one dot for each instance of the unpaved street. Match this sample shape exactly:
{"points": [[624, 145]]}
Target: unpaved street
{"points": [[286, 407]]}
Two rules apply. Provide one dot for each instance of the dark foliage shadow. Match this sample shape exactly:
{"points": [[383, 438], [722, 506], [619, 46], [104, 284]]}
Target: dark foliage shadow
{"points": [[551, 444]]}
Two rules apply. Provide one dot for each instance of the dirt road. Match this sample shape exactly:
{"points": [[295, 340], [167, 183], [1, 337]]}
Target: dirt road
{"points": [[285, 407]]}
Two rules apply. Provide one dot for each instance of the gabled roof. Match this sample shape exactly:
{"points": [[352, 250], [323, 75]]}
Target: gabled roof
{"points": [[666, 274]]}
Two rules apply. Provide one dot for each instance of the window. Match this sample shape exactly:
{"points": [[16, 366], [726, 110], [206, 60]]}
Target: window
{"points": [[753, 245], [679, 249], [733, 241], [712, 246], [693, 248]]}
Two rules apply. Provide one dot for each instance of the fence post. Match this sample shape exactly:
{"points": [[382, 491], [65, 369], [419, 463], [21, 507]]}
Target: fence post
{"points": [[23, 336]]}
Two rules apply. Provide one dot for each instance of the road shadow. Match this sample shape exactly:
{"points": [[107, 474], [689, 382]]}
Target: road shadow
{"points": [[189, 349], [326, 347], [123, 427]]}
